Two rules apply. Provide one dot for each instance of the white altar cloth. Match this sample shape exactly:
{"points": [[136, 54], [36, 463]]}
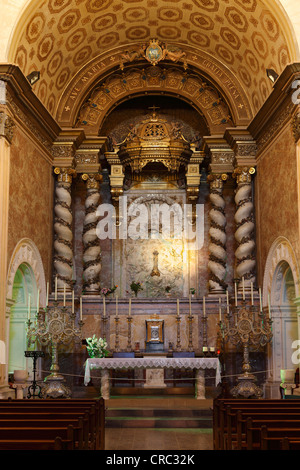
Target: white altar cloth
{"points": [[199, 364]]}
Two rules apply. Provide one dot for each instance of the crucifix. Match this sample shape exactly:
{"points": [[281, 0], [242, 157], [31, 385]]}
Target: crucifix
{"points": [[153, 109], [155, 270]]}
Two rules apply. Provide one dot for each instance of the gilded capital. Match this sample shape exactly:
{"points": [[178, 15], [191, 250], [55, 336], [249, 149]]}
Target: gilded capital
{"points": [[216, 180], [243, 174], [7, 126], [93, 180], [65, 175]]}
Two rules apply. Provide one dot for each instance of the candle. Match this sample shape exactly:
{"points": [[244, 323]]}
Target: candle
{"points": [[251, 293], [116, 305], [178, 307], [204, 313], [73, 301], [38, 301], [47, 294], [260, 305], [80, 308], [29, 297], [243, 281], [269, 305], [227, 300], [190, 304], [235, 293], [55, 297], [64, 295], [104, 308], [130, 306], [220, 312]]}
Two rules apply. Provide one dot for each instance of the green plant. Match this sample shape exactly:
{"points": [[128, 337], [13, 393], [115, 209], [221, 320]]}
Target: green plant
{"points": [[167, 289], [192, 290], [136, 287], [96, 347]]}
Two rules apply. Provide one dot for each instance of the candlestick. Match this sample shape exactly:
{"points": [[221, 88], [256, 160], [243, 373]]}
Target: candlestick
{"points": [[227, 300], [38, 301], [47, 294], [178, 307], [252, 293], [29, 298], [220, 312], [130, 306], [235, 293], [104, 307], [260, 304], [55, 296], [204, 313], [64, 295], [243, 281]]}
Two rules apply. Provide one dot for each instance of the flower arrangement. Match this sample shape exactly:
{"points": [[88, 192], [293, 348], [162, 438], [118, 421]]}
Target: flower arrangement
{"points": [[96, 347], [136, 287], [107, 291], [167, 289], [192, 290]]}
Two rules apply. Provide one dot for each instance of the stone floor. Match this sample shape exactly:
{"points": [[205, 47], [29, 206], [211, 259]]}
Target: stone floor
{"points": [[158, 438]]}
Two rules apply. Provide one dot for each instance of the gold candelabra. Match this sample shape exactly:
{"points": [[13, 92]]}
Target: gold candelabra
{"points": [[249, 327], [54, 326]]}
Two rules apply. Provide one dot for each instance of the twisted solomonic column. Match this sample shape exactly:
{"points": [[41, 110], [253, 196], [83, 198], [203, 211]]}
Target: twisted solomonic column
{"points": [[63, 234], [217, 245], [244, 219], [91, 242]]}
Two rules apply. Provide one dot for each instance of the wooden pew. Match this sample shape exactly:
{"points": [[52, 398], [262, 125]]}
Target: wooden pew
{"points": [[289, 444], [62, 435], [95, 409], [224, 411], [236, 428], [268, 436]]}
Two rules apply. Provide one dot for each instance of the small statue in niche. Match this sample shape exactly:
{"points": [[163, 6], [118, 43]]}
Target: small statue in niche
{"points": [[176, 130]]}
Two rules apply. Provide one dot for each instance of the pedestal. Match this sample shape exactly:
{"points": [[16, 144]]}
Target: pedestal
{"points": [[55, 388], [155, 378]]}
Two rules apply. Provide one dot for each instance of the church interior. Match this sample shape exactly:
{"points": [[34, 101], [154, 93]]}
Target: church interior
{"points": [[150, 207]]}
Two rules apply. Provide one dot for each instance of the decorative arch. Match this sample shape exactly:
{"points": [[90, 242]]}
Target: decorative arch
{"points": [[281, 251], [26, 252]]}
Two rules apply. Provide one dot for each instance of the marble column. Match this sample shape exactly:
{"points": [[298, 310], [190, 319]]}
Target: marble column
{"points": [[63, 241], [244, 219], [6, 136], [91, 243], [217, 232]]}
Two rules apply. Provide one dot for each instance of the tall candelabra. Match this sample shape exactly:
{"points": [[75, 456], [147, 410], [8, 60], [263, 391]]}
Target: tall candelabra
{"points": [[52, 327], [249, 327]]}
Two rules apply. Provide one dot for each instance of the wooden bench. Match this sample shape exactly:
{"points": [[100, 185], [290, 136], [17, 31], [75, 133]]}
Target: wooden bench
{"points": [[63, 435], [49, 409], [225, 415]]}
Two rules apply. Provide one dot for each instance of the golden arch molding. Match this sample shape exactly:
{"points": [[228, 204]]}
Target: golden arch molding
{"points": [[199, 64]]}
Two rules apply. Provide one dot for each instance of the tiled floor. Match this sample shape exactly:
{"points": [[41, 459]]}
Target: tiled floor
{"points": [[158, 438]]}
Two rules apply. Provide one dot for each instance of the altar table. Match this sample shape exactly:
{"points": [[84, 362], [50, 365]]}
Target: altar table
{"points": [[106, 364]]}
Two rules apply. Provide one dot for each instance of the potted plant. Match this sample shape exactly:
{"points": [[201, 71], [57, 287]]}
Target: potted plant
{"points": [[136, 287], [96, 347], [107, 291]]}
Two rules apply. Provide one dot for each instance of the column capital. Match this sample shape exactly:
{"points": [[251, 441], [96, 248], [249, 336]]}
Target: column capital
{"points": [[93, 180], [243, 174], [7, 126], [65, 175]]}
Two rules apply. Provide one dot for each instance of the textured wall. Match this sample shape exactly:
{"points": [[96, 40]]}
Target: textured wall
{"points": [[276, 195], [31, 198]]}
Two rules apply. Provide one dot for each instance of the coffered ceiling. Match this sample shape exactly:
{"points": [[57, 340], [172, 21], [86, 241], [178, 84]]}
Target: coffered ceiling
{"points": [[60, 37]]}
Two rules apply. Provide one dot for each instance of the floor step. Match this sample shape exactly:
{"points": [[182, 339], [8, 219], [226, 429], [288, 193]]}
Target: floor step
{"points": [[158, 418]]}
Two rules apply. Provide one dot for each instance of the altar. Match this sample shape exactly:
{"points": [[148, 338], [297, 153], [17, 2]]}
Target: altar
{"points": [[197, 364]]}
